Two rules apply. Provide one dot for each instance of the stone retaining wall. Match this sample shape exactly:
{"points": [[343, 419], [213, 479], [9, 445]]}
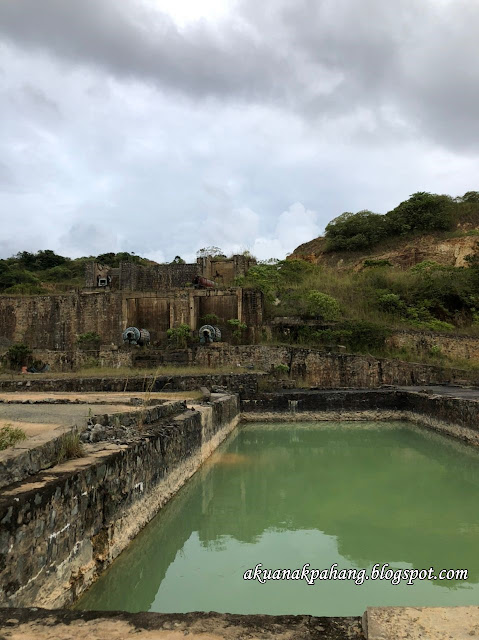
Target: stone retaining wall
{"points": [[78, 516], [422, 342], [244, 384], [326, 370], [35, 454]]}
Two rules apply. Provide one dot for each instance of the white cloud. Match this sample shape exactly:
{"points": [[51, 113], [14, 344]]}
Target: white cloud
{"points": [[294, 226]]}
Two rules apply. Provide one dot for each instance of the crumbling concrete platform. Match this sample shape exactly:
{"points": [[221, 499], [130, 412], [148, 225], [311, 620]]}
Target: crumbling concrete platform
{"points": [[40, 624], [421, 623]]}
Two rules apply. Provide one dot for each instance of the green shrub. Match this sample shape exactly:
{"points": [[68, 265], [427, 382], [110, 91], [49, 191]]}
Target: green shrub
{"points": [[355, 231], [238, 328], [179, 336], [210, 318], [89, 340], [391, 303], [320, 304], [17, 355], [280, 370], [422, 211], [70, 447], [425, 265], [9, 436], [366, 336], [435, 351], [25, 289], [376, 263]]}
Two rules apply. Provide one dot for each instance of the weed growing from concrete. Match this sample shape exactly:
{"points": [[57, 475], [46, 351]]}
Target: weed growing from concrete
{"points": [[9, 436], [70, 447]]}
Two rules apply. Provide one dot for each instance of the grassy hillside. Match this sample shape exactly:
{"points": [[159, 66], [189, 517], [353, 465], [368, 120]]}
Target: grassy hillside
{"points": [[366, 277], [423, 219]]}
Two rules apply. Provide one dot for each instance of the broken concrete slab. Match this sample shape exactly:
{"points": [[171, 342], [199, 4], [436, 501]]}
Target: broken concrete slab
{"points": [[421, 623]]}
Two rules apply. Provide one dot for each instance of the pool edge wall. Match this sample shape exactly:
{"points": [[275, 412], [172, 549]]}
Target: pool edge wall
{"points": [[63, 527], [453, 416]]}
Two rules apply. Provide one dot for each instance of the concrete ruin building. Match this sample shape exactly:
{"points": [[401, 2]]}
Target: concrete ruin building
{"points": [[156, 297]]}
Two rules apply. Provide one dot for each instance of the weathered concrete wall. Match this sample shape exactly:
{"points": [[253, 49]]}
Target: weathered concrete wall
{"points": [[109, 357], [78, 516], [224, 271], [55, 322], [134, 277], [246, 384], [454, 416], [422, 342], [326, 370]]}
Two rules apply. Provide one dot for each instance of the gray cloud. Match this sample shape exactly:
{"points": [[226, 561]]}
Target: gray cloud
{"points": [[320, 58], [121, 131]]}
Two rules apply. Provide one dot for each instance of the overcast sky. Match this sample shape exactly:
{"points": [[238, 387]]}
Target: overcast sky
{"points": [[163, 126]]}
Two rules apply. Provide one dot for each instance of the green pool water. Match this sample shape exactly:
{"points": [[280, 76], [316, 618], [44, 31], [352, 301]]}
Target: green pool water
{"points": [[283, 495]]}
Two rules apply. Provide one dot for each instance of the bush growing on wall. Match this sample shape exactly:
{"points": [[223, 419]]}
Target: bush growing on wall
{"points": [[17, 355], [179, 336], [89, 340], [239, 329]]}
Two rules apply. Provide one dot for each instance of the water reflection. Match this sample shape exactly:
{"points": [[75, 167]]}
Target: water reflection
{"points": [[352, 493]]}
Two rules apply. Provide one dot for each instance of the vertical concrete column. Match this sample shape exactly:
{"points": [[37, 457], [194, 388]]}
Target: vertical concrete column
{"points": [[239, 296], [191, 303]]}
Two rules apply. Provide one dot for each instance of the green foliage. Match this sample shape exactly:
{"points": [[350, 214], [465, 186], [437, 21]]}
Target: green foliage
{"points": [[323, 337], [376, 263], [391, 303], [9, 436], [421, 212], [26, 272], [320, 304], [471, 196], [178, 260], [239, 329], [43, 259], [12, 275], [264, 277], [425, 265], [113, 259], [435, 351], [280, 371], [274, 277], [17, 355], [179, 336], [355, 231], [210, 318], [89, 340], [365, 335], [70, 446], [25, 289]]}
